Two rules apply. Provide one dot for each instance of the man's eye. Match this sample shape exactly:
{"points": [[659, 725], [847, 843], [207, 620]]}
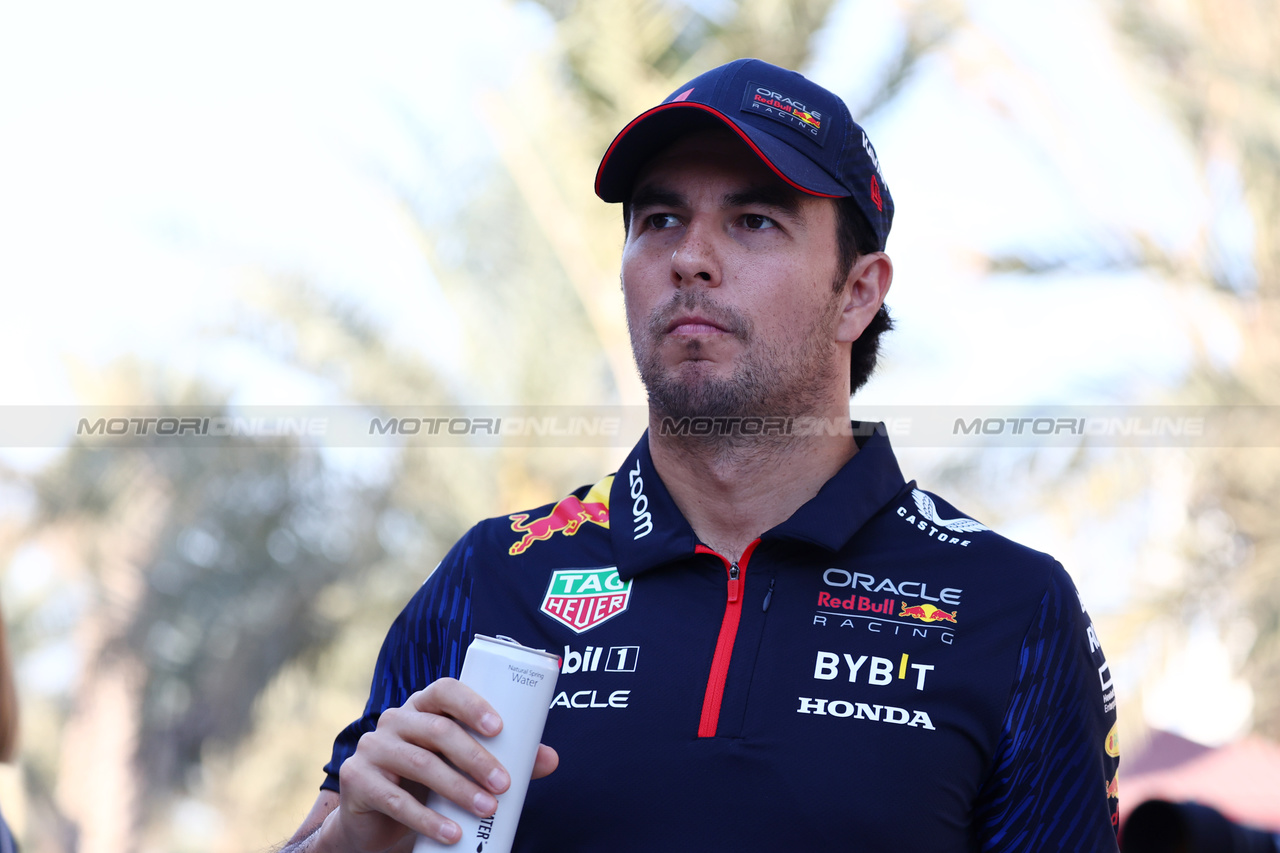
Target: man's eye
{"points": [[757, 222], [663, 220]]}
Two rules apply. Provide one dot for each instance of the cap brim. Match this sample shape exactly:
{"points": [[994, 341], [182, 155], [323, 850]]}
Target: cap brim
{"points": [[655, 129]]}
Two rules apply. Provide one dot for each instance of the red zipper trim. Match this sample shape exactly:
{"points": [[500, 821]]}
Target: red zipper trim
{"points": [[724, 643]]}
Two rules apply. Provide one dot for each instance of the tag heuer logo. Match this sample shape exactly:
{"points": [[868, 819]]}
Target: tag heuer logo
{"points": [[581, 599]]}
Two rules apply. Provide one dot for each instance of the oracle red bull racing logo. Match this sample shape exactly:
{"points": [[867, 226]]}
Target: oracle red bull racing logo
{"points": [[581, 599], [883, 605], [780, 106], [565, 517]]}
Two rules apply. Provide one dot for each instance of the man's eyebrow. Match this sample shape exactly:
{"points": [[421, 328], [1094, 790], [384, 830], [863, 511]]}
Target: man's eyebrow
{"points": [[651, 196], [779, 198]]}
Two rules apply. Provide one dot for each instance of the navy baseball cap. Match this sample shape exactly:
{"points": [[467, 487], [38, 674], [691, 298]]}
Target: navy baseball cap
{"points": [[800, 130]]}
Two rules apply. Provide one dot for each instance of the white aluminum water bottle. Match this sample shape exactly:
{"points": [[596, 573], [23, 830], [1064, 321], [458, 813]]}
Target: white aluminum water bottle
{"points": [[519, 682]]}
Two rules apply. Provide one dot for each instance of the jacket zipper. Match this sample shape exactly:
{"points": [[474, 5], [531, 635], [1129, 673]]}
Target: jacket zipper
{"points": [[736, 572]]}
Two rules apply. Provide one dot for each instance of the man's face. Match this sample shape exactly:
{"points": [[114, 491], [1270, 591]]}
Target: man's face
{"points": [[728, 276]]}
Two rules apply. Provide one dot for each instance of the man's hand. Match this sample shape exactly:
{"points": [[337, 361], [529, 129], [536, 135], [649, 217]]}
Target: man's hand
{"points": [[412, 750]]}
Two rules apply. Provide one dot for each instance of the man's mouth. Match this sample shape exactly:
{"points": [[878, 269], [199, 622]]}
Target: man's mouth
{"points": [[695, 324]]}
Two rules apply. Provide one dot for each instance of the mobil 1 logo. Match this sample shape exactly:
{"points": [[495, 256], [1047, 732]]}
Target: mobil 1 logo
{"points": [[600, 659]]}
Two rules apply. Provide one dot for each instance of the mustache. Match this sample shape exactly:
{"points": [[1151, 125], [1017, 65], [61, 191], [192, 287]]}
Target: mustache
{"points": [[696, 300]]}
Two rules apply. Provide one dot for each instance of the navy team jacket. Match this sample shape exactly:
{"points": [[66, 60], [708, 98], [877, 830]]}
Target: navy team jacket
{"points": [[876, 673]]}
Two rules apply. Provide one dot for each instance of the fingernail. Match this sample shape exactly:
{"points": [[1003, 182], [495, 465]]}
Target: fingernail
{"points": [[489, 724], [485, 804], [498, 779], [450, 832]]}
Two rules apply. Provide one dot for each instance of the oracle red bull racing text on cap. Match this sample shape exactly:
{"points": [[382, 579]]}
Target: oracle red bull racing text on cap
{"points": [[801, 131]]}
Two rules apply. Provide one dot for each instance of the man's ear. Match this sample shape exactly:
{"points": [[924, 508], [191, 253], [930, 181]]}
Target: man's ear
{"points": [[864, 291]]}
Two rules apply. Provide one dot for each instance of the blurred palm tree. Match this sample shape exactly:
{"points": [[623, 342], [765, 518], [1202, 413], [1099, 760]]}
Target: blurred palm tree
{"points": [[197, 574], [1216, 65], [1214, 561]]}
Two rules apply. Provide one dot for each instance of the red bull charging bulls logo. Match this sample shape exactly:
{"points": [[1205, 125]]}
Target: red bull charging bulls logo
{"points": [[565, 517], [928, 613]]}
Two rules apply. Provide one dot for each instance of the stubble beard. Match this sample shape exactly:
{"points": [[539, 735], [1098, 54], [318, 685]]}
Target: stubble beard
{"points": [[767, 382]]}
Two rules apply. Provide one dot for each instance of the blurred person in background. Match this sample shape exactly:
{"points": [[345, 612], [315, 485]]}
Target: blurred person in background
{"points": [[8, 724], [1159, 826], [771, 640]]}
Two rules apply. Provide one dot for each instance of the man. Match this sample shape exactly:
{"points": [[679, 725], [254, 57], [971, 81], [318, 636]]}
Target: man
{"points": [[771, 641]]}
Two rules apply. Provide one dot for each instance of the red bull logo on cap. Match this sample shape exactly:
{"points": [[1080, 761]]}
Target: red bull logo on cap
{"points": [[581, 599], [807, 118], [565, 517]]}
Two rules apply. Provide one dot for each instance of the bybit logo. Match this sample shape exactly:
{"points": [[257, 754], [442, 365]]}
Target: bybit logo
{"points": [[879, 672]]}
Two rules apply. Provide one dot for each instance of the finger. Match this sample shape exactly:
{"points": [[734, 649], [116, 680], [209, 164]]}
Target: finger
{"points": [[436, 752], [546, 762], [375, 812], [452, 698]]}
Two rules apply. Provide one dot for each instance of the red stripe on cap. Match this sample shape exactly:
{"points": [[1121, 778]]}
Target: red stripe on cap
{"points": [[727, 121]]}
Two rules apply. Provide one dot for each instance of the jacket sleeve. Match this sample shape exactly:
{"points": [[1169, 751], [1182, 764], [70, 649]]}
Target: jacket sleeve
{"points": [[427, 641], [1052, 785]]}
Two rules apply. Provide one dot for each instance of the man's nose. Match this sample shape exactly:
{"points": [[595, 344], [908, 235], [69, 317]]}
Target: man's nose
{"points": [[696, 258]]}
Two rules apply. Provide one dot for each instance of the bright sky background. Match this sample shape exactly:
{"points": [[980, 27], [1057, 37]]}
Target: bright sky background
{"points": [[159, 154], [156, 157]]}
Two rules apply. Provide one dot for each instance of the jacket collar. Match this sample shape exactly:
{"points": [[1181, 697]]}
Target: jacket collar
{"points": [[648, 529]]}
